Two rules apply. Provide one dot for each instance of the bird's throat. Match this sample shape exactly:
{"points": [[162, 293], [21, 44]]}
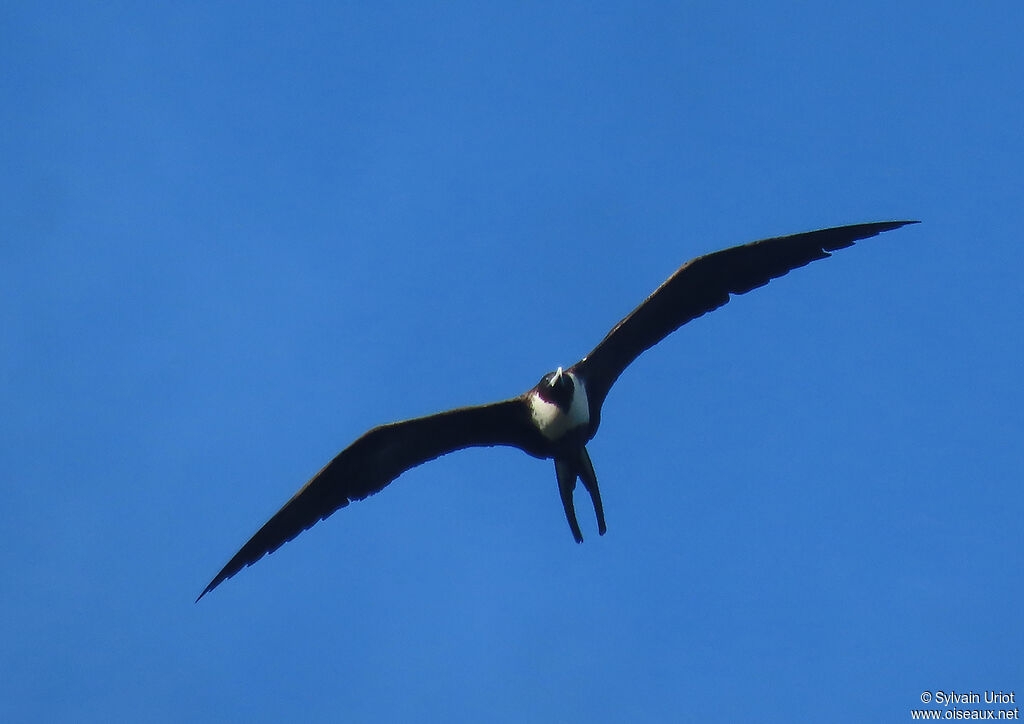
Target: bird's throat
{"points": [[553, 421]]}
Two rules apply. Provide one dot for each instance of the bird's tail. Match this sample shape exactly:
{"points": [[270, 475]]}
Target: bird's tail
{"points": [[567, 471]]}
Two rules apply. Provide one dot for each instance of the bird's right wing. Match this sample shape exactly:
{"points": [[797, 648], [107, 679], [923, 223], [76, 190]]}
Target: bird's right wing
{"points": [[704, 284], [378, 457]]}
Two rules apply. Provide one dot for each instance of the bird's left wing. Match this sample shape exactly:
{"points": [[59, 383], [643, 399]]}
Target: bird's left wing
{"points": [[378, 457], [704, 284]]}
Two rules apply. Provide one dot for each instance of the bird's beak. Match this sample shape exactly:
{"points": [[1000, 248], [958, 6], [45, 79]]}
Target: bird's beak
{"points": [[557, 378]]}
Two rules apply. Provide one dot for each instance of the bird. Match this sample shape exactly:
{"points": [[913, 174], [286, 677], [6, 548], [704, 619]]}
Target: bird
{"points": [[557, 417]]}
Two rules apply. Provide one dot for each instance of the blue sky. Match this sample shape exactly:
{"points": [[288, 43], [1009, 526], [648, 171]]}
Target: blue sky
{"points": [[236, 236]]}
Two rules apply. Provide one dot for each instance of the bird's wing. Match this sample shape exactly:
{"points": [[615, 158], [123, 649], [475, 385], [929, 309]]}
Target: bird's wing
{"points": [[704, 284], [377, 458]]}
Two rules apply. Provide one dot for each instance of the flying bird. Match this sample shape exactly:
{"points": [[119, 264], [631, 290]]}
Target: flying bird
{"points": [[558, 416]]}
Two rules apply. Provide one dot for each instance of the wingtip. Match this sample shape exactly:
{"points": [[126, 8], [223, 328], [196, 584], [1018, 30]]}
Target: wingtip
{"points": [[218, 579], [205, 591], [864, 231], [883, 226]]}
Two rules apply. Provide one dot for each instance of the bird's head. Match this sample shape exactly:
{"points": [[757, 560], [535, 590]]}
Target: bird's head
{"points": [[557, 388]]}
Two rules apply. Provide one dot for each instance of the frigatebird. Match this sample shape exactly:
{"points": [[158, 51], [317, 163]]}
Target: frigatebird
{"points": [[561, 413]]}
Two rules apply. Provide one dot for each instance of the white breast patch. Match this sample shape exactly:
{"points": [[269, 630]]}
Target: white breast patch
{"points": [[549, 418]]}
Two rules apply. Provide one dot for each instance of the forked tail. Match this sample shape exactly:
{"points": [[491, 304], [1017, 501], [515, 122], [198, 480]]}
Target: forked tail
{"points": [[567, 470]]}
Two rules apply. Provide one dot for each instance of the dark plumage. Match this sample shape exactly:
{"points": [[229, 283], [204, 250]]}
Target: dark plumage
{"points": [[556, 418]]}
